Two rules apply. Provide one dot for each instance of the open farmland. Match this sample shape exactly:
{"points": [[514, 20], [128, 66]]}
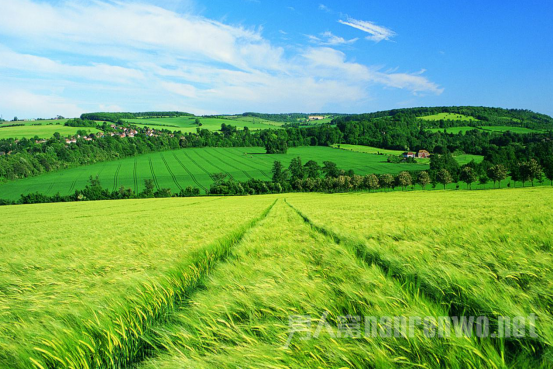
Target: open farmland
{"points": [[461, 159], [214, 282], [465, 129], [194, 167], [188, 123], [31, 129], [449, 116]]}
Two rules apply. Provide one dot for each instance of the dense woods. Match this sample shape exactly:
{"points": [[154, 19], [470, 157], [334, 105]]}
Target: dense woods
{"points": [[114, 117]]}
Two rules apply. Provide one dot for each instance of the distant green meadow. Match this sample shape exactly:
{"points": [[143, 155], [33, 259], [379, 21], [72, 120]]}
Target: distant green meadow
{"points": [[194, 167], [188, 123], [464, 129], [461, 159], [448, 116], [31, 130]]}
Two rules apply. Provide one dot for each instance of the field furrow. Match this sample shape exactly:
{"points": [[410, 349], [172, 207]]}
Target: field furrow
{"points": [[218, 168], [217, 156], [152, 171], [115, 177], [243, 162], [201, 167], [175, 181], [190, 173]]}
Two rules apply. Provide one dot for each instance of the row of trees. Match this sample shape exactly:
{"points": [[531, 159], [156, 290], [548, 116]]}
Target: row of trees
{"points": [[94, 191]]}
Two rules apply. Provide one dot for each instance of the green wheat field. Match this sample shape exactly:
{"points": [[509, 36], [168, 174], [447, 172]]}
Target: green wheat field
{"points": [[213, 282]]}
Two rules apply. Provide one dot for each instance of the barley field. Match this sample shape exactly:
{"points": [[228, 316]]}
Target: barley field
{"points": [[221, 282]]}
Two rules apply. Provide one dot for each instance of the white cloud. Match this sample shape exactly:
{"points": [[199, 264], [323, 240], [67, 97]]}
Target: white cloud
{"points": [[128, 56], [329, 39], [377, 33], [324, 8]]}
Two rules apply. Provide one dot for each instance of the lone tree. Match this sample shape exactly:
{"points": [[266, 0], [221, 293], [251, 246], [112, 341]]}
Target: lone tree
{"points": [[444, 177], [468, 175], [423, 179], [497, 173], [404, 179]]}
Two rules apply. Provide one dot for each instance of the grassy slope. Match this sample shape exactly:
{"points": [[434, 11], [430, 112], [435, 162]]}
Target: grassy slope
{"points": [[382, 260], [448, 116], [456, 130], [187, 124], [192, 167], [44, 131], [461, 159]]}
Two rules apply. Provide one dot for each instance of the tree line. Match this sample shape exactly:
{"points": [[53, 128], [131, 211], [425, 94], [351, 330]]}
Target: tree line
{"points": [[114, 117]]}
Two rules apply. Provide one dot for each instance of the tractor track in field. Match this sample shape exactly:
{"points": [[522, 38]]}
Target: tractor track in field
{"points": [[230, 165], [457, 303], [198, 165], [232, 150], [170, 172], [135, 177], [115, 177], [215, 166], [153, 173], [190, 279], [190, 173]]}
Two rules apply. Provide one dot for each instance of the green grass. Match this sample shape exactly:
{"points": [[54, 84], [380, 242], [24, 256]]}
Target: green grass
{"points": [[193, 167], [467, 158], [213, 282], [368, 149], [448, 116], [42, 131], [465, 129], [509, 128], [187, 124], [454, 130], [461, 159]]}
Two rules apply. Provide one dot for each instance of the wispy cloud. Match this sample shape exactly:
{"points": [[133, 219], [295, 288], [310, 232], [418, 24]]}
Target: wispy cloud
{"points": [[86, 58], [377, 33], [324, 8], [329, 39]]}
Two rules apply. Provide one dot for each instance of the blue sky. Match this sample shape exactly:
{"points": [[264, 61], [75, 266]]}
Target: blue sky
{"points": [[231, 56]]}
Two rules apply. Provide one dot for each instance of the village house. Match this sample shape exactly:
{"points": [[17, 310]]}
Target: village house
{"points": [[408, 154], [316, 117], [423, 154], [71, 140]]}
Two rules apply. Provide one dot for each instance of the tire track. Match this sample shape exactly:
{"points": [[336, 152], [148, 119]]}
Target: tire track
{"points": [[115, 177], [247, 164], [135, 177], [456, 303], [153, 173], [190, 174], [171, 172], [198, 165], [215, 166], [230, 165]]}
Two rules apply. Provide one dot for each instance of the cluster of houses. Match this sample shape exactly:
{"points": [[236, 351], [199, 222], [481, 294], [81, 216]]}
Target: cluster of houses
{"points": [[422, 154], [316, 117]]}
